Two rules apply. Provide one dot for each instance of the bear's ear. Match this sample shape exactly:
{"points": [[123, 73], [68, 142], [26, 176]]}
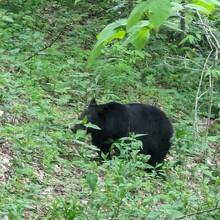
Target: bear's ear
{"points": [[93, 103]]}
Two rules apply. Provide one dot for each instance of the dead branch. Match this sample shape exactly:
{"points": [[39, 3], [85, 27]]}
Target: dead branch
{"points": [[200, 212], [49, 45]]}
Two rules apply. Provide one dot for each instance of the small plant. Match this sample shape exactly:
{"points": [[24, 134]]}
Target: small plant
{"points": [[66, 210]]}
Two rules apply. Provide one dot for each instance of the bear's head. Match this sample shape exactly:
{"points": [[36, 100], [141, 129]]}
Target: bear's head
{"points": [[111, 118], [92, 116]]}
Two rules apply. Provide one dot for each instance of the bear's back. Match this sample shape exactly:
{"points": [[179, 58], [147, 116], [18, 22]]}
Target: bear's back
{"points": [[147, 118]]}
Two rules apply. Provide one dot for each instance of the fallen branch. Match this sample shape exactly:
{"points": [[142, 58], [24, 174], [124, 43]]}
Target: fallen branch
{"points": [[49, 45], [200, 212]]}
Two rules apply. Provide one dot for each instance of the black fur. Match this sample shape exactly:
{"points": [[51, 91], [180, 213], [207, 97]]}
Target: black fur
{"points": [[118, 120]]}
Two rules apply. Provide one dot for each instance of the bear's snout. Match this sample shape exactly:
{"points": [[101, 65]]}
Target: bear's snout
{"points": [[75, 128]]}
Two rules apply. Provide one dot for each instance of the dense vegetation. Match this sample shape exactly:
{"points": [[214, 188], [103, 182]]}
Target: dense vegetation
{"points": [[46, 172]]}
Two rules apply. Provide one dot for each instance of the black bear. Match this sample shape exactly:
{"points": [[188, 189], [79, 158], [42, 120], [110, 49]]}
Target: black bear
{"points": [[118, 120]]}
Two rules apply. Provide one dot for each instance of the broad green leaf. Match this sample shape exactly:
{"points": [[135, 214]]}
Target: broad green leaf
{"points": [[135, 29], [136, 14], [110, 30], [207, 6], [92, 181], [199, 8], [109, 33], [139, 37], [119, 35], [159, 11], [95, 53]]}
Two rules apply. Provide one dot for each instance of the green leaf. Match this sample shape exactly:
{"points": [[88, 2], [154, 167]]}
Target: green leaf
{"points": [[205, 7], [199, 8], [76, 1], [90, 125], [216, 2], [6, 18], [80, 134], [136, 14], [159, 11], [110, 30], [189, 38], [84, 120], [92, 181], [70, 61], [175, 8], [180, 133], [95, 53], [215, 73], [119, 35], [207, 172], [36, 35], [189, 55], [172, 25], [109, 33], [139, 37]]}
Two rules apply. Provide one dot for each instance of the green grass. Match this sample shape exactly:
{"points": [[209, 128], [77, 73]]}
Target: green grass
{"points": [[48, 173]]}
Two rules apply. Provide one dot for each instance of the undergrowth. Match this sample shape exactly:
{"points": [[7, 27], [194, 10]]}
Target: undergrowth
{"points": [[48, 173]]}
